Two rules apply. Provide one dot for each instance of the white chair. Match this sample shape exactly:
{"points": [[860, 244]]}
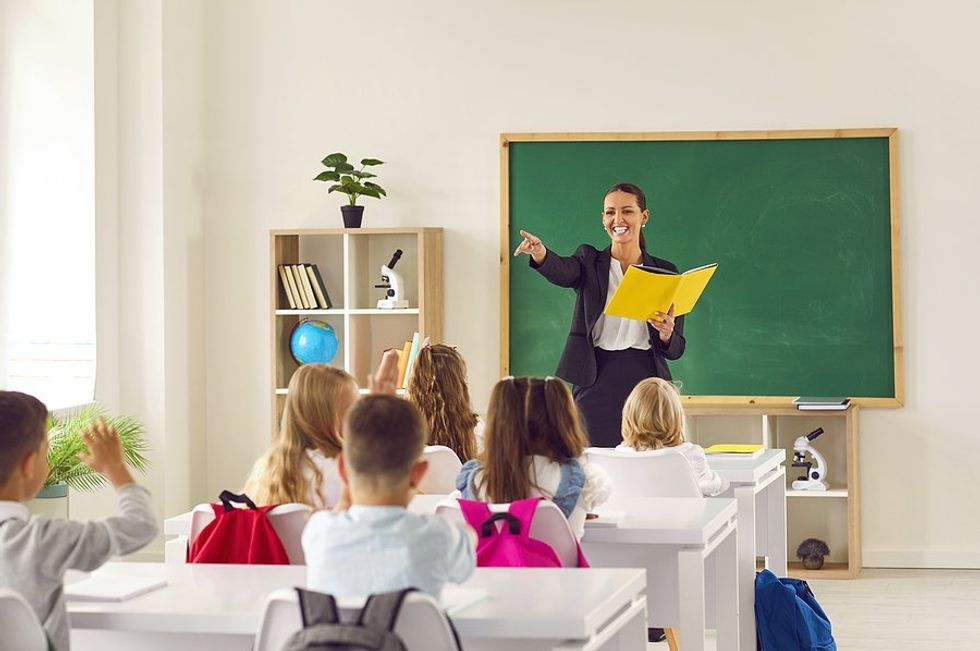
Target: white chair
{"points": [[549, 526], [653, 473], [20, 626], [444, 465], [287, 519], [421, 624]]}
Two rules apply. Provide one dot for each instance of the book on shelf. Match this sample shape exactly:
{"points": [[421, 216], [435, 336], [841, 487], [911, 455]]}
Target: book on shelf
{"points": [[322, 296], [286, 290], [291, 279], [413, 353], [307, 287], [734, 451], [645, 290], [830, 403], [298, 287], [403, 362]]}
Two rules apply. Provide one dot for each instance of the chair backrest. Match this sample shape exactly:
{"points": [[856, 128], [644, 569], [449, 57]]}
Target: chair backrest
{"points": [[19, 623], [444, 466], [653, 473], [287, 519], [549, 525], [421, 624]]}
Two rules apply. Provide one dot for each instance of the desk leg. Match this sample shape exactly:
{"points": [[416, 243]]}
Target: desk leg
{"points": [[726, 595], [745, 497], [690, 589], [776, 545]]}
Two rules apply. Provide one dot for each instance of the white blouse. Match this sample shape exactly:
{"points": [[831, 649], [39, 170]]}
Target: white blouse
{"points": [[615, 332], [331, 485]]}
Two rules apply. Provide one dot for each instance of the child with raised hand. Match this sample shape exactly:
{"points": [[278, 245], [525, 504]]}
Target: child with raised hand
{"points": [[438, 388], [653, 418], [36, 551], [371, 543], [534, 443]]}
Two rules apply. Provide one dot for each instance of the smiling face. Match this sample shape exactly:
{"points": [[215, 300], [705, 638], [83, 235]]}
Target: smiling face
{"points": [[622, 217]]}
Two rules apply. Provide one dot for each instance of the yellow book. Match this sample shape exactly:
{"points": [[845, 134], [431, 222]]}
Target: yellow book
{"points": [[403, 363], [725, 448], [646, 290]]}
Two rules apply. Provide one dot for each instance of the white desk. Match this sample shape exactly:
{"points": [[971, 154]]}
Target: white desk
{"points": [[759, 487], [219, 607], [672, 538]]}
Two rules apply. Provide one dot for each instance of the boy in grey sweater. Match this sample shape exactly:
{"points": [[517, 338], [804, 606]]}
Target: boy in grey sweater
{"points": [[36, 551]]}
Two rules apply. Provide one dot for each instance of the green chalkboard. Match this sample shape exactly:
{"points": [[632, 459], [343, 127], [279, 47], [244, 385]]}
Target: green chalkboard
{"points": [[802, 302]]}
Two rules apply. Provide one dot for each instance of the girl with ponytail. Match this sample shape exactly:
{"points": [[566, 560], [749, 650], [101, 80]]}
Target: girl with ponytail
{"points": [[533, 446]]}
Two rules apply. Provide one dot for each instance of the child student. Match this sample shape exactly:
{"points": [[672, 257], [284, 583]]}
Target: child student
{"points": [[373, 544], [438, 388], [534, 445], [36, 551], [653, 418], [301, 465]]}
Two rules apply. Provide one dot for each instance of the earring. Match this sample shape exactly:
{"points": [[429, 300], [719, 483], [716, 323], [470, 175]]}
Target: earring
{"points": [[643, 225]]}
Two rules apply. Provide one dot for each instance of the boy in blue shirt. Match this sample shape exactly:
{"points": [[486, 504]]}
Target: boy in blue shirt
{"points": [[370, 543]]}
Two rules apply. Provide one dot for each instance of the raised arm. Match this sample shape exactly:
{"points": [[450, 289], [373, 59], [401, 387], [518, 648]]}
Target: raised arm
{"points": [[559, 270]]}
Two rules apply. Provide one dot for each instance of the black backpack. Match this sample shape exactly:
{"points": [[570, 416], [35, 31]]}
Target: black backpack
{"points": [[373, 630]]}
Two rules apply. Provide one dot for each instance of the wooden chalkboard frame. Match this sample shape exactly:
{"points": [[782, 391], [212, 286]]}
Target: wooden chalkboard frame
{"points": [[719, 401]]}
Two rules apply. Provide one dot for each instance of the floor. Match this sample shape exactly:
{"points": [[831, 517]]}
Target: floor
{"points": [[900, 610]]}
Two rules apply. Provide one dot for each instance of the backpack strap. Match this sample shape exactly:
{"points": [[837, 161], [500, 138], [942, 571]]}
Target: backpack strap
{"points": [[464, 480], [317, 608], [523, 511], [381, 610], [569, 486], [513, 525], [227, 497], [475, 513]]}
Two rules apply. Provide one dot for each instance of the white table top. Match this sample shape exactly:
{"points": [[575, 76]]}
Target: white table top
{"points": [[229, 599], [662, 520], [748, 471]]}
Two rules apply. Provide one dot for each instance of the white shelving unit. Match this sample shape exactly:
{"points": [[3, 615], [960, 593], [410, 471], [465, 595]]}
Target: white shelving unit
{"points": [[350, 262], [833, 515]]}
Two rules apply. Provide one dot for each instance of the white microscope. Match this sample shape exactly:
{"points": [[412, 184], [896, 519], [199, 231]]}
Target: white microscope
{"points": [[813, 480], [394, 285]]}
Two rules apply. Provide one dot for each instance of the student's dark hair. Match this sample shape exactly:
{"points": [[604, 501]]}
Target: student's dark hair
{"points": [[23, 422], [641, 201], [383, 437]]}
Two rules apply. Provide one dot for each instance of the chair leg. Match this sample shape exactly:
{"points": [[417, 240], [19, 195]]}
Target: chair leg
{"points": [[673, 639]]}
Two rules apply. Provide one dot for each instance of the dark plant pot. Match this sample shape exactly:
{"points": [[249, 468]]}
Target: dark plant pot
{"points": [[813, 562], [352, 216]]}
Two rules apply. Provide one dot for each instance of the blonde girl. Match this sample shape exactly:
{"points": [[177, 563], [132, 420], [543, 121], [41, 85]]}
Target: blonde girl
{"points": [[438, 388], [653, 418], [534, 441], [301, 464]]}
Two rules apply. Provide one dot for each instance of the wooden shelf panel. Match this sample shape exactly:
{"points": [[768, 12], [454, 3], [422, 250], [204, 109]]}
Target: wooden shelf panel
{"points": [[375, 311], [832, 492], [308, 312], [829, 571]]}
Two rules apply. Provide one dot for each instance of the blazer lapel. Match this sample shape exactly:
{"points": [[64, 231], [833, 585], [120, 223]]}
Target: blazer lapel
{"points": [[602, 262]]}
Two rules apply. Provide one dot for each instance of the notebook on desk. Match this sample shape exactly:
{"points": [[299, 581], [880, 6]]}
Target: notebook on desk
{"points": [[734, 451], [103, 587], [605, 519]]}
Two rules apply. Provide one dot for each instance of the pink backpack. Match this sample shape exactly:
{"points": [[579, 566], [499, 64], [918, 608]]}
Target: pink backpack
{"points": [[511, 545]]}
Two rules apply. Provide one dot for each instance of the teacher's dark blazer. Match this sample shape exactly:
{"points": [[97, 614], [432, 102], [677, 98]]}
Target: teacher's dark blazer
{"points": [[587, 272]]}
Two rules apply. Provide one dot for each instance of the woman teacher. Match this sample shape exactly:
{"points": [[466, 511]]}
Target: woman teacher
{"points": [[605, 356]]}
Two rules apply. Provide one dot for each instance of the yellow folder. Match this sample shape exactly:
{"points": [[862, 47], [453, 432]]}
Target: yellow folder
{"points": [[646, 290], [729, 448]]}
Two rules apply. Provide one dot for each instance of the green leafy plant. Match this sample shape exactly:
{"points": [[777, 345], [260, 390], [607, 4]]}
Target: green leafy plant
{"points": [[65, 442], [350, 181]]}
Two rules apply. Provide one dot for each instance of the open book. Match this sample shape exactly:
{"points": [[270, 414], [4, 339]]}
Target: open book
{"points": [[646, 290]]}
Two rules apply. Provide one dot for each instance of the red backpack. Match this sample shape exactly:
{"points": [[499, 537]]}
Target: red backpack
{"points": [[511, 545], [243, 536]]}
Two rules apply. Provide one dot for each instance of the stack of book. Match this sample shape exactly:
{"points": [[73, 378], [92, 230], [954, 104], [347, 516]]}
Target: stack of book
{"points": [[303, 287], [804, 403], [406, 359]]}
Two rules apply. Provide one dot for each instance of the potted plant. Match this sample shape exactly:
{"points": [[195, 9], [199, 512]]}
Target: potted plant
{"points": [[812, 551], [352, 182], [66, 469]]}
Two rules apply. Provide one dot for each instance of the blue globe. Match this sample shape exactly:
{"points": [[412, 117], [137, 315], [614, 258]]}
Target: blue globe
{"points": [[313, 342]]}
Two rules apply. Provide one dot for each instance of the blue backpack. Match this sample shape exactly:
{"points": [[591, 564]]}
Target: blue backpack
{"points": [[788, 617]]}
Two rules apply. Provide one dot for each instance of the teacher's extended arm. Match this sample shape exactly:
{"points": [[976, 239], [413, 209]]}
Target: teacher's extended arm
{"points": [[561, 271]]}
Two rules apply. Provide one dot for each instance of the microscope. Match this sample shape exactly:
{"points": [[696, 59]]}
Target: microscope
{"points": [[394, 285], [813, 480]]}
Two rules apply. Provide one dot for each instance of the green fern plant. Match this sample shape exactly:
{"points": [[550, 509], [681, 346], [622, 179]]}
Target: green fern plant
{"points": [[65, 442]]}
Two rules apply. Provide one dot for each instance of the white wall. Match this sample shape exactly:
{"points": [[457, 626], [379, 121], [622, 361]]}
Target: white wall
{"points": [[429, 85]]}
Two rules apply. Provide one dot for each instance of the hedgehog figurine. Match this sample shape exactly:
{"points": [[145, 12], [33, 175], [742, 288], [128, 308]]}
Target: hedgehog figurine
{"points": [[812, 551]]}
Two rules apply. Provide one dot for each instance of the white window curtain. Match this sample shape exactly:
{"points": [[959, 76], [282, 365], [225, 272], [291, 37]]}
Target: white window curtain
{"points": [[47, 200]]}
